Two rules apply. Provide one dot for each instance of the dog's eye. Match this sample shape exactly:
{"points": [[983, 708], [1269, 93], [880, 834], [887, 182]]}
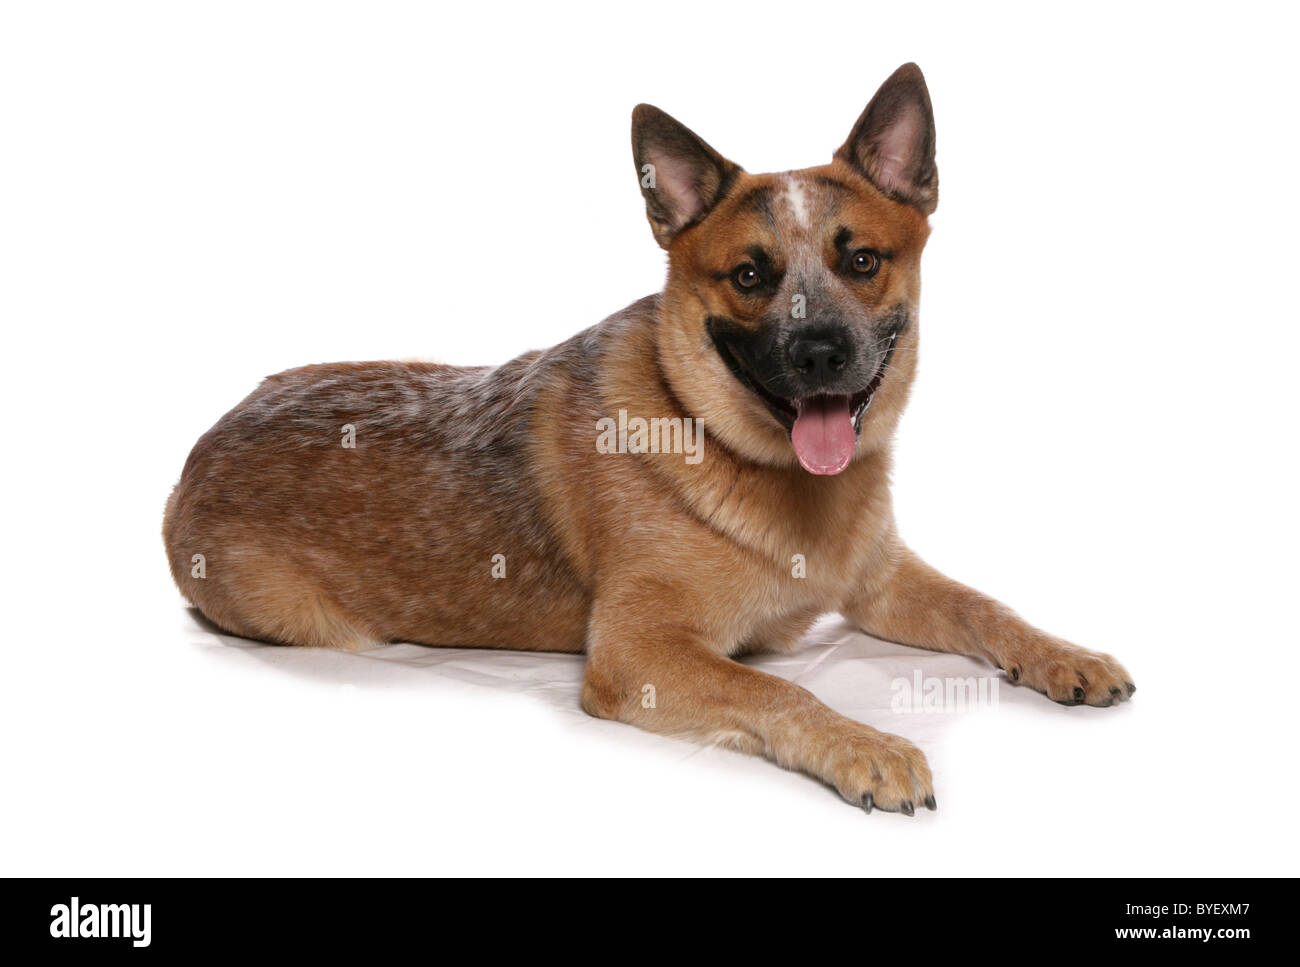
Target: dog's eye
{"points": [[865, 262], [747, 276]]}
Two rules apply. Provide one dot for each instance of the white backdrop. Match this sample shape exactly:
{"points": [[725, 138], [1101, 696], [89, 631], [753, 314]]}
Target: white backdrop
{"points": [[1102, 433]]}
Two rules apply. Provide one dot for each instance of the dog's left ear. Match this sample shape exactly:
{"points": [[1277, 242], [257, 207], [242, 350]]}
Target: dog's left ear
{"points": [[893, 141], [682, 178]]}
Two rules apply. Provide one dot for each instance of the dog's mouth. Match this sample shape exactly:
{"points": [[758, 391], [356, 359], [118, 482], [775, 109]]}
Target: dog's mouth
{"points": [[824, 427]]}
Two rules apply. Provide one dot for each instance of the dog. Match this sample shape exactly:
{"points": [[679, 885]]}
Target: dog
{"points": [[352, 504]]}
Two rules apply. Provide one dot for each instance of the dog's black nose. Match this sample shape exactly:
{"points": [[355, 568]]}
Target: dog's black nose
{"points": [[818, 358]]}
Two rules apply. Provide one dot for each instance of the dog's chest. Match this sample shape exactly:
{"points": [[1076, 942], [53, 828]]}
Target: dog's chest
{"points": [[796, 565]]}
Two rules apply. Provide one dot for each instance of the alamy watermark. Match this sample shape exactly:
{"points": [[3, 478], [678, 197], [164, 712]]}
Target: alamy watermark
{"points": [[926, 695], [125, 921], [675, 434]]}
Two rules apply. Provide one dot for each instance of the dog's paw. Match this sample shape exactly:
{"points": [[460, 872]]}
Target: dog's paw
{"points": [[1069, 674], [876, 770]]}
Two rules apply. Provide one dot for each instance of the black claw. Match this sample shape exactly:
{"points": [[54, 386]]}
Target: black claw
{"points": [[1015, 674], [1131, 687], [906, 808], [1114, 689], [1078, 694], [929, 803], [867, 802]]}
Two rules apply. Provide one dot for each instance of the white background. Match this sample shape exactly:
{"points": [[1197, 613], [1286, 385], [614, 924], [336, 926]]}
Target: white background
{"points": [[1102, 433]]}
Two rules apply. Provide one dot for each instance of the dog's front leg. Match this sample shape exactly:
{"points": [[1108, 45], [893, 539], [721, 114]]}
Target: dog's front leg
{"points": [[909, 602], [660, 675]]}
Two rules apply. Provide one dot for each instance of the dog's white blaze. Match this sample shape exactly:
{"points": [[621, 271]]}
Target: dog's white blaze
{"points": [[797, 200]]}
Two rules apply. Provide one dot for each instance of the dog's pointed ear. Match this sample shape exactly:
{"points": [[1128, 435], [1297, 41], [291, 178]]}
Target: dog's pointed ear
{"points": [[893, 141], [682, 178]]}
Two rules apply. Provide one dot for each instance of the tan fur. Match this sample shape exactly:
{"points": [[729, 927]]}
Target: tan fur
{"points": [[660, 570]]}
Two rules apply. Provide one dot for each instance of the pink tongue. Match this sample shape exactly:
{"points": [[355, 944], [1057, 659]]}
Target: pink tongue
{"points": [[823, 434]]}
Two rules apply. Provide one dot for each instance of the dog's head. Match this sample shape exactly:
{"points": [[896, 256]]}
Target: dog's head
{"points": [[788, 319]]}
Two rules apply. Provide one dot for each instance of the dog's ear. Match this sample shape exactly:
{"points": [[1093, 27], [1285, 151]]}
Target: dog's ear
{"points": [[893, 141], [682, 178]]}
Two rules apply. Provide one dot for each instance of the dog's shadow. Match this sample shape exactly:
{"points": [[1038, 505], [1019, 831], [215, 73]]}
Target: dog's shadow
{"points": [[407, 665], [856, 673]]}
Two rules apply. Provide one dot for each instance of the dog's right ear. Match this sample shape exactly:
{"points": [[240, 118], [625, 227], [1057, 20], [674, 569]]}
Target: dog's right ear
{"points": [[682, 178]]}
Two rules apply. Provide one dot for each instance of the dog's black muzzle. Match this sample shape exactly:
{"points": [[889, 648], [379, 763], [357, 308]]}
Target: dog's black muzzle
{"points": [[785, 366]]}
